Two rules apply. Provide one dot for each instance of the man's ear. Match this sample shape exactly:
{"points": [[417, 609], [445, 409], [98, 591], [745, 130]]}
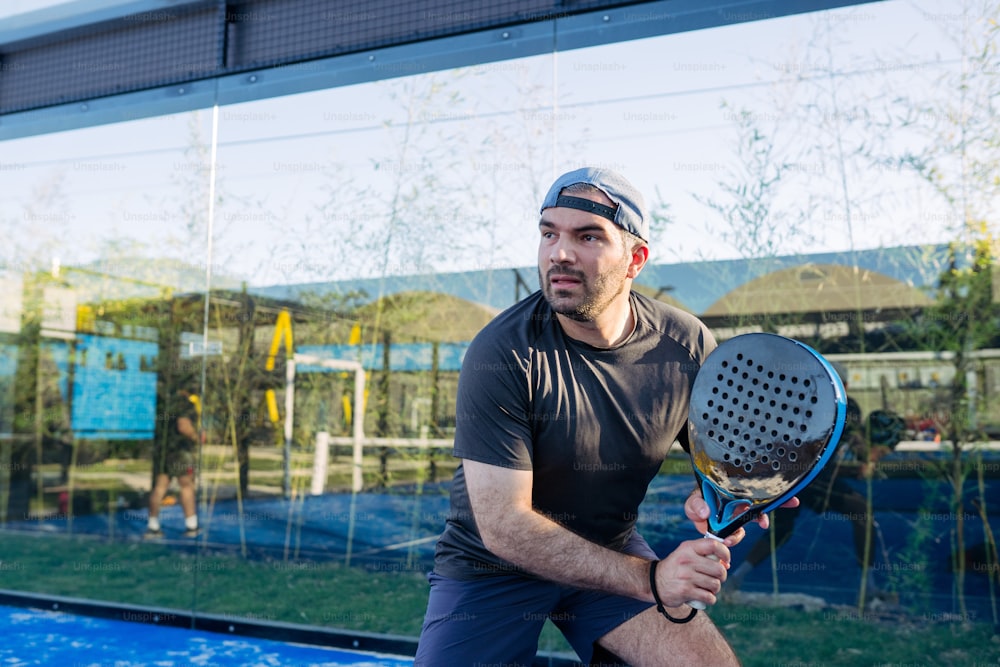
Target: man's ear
{"points": [[639, 258]]}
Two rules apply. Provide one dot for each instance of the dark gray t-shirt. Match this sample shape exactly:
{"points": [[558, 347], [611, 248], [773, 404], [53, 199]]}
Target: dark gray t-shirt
{"points": [[594, 425]]}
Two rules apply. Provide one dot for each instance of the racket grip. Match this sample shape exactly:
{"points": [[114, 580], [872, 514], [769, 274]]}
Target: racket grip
{"points": [[698, 604]]}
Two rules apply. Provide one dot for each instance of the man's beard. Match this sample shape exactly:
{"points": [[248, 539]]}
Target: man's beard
{"points": [[593, 300]]}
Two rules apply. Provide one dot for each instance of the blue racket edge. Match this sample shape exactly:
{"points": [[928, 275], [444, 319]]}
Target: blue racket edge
{"points": [[727, 514], [711, 493]]}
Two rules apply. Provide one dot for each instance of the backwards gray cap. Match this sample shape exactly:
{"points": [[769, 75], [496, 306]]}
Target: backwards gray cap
{"points": [[630, 210]]}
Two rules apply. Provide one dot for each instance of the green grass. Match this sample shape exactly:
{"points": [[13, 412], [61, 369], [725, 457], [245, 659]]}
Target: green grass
{"points": [[148, 574], [772, 636], [392, 601]]}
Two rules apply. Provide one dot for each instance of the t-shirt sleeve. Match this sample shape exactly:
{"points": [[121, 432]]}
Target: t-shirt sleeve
{"points": [[492, 420], [705, 343]]}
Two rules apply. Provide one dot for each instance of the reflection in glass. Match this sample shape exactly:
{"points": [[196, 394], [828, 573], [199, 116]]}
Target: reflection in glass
{"points": [[382, 225]]}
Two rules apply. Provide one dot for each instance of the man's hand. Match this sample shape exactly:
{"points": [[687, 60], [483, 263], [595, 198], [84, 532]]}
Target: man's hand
{"points": [[691, 573], [696, 509]]}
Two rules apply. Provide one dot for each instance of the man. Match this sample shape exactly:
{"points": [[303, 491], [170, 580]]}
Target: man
{"points": [[567, 404], [176, 455]]}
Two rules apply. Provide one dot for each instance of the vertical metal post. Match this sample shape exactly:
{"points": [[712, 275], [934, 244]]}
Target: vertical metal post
{"points": [[286, 484], [359, 427]]}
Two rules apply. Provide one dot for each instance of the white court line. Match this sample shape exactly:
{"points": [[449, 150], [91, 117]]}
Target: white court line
{"points": [[398, 545]]}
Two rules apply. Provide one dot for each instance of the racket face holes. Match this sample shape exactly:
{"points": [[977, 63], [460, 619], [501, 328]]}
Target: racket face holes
{"points": [[756, 400]]}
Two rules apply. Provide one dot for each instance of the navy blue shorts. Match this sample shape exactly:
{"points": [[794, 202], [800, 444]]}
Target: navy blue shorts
{"points": [[496, 620]]}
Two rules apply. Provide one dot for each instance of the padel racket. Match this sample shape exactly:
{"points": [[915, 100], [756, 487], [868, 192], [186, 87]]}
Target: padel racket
{"points": [[765, 417]]}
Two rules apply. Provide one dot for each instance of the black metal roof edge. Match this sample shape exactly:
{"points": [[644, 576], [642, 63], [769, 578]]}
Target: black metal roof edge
{"points": [[723, 12]]}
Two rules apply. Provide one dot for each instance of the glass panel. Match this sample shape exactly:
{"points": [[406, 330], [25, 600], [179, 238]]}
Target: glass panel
{"points": [[344, 219], [16, 7], [314, 284], [104, 269]]}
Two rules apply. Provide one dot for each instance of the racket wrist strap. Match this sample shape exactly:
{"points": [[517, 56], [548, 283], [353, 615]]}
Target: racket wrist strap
{"points": [[659, 603]]}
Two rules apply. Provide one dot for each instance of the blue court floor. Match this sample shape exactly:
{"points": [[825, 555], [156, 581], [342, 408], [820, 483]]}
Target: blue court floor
{"points": [[41, 637]]}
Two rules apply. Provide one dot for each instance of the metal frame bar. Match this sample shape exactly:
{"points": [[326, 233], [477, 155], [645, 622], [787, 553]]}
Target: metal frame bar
{"points": [[232, 85]]}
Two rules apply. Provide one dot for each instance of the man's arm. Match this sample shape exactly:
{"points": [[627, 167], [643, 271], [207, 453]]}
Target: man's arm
{"points": [[186, 428], [514, 531]]}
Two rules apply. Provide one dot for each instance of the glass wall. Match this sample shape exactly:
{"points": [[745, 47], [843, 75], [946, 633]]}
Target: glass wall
{"points": [[298, 278]]}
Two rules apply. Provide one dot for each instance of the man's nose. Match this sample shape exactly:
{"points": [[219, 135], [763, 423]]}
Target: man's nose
{"points": [[561, 252]]}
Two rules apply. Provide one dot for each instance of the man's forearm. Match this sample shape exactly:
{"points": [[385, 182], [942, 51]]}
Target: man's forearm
{"points": [[548, 550]]}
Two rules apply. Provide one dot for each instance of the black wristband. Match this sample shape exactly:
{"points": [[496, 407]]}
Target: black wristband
{"points": [[659, 603]]}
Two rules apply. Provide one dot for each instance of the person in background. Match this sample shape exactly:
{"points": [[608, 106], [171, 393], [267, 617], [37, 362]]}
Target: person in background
{"points": [[176, 456]]}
